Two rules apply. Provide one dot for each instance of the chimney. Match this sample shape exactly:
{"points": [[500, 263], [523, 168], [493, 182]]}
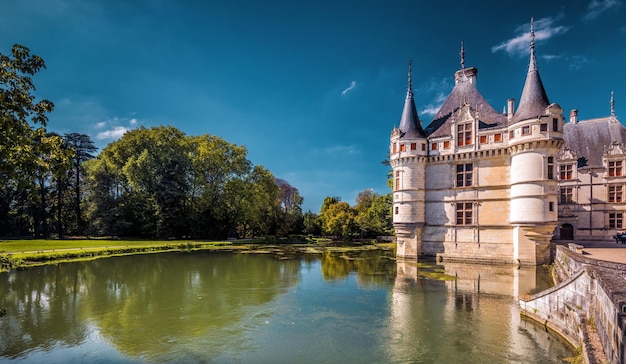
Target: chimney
{"points": [[511, 106], [573, 116]]}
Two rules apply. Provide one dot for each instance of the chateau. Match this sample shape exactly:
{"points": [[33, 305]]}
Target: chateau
{"points": [[487, 186]]}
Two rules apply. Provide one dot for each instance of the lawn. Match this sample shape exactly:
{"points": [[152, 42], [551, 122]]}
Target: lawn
{"points": [[37, 245]]}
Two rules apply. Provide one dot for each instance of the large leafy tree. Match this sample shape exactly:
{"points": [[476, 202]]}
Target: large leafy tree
{"points": [[160, 182], [28, 154]]}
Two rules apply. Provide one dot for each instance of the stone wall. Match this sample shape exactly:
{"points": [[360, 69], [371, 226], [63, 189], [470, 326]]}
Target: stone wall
{"points": [[590, 298]]}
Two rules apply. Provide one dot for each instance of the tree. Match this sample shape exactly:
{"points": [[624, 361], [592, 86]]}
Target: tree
{"points": [[18, 110], [311, 223], [83, 148], [27, 152], [290, 208]]}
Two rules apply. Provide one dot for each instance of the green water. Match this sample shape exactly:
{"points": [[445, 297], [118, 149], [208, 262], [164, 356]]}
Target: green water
{"points": [[225, 308]]}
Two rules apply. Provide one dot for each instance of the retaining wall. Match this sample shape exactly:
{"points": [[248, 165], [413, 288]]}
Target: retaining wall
{"points": [[590, 298]]}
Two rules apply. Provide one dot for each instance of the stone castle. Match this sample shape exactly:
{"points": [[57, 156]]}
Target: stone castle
{"points": [[498, 187]]}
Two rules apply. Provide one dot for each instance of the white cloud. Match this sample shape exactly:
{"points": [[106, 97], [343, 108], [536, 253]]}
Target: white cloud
{"points": [[115, 133], [341, 149], [432, 108], [597, 7], [577, 62], [349, 88], [115, 127], [545, 29]]}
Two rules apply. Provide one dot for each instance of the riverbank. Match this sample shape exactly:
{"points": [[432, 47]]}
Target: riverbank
{"points": [[23, 254]]}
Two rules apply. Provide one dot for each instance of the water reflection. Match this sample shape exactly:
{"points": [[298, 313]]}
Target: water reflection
{"points": [[476, 320], [349, 307]]}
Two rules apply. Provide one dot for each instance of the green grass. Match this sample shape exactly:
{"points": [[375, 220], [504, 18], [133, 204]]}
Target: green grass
{"points": [[29, 253], [26, 246]]}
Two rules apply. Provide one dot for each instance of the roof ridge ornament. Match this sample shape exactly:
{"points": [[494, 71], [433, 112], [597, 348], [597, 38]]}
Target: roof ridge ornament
{"points": [[612, 106], [462, 54], [533, 60], [409, 91]]}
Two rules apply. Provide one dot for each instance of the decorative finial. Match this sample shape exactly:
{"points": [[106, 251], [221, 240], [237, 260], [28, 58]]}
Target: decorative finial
{"points": [[612, 106], [462, 54], [533, 61], [532, 33], [409, 91]]}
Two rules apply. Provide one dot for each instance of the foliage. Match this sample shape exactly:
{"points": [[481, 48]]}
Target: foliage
{"points": [[369, 218], [30, 157], [159, 182]]}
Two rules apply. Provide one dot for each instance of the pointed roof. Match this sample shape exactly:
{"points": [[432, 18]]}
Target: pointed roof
{"points": [[534, 99], [410, 124], [464, 93]]}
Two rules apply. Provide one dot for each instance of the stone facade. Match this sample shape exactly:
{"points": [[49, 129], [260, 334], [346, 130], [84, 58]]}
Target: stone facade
{"points": [[496, 187]]}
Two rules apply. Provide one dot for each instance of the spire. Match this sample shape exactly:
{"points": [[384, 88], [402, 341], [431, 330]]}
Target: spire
{"points": [[409, 91], [462, 54], [534, 99], [533, 60], [410, 124], [612, 106]]}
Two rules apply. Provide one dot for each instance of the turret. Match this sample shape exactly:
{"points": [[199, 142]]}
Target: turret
{"points": [[535, 139], [407, 156]]}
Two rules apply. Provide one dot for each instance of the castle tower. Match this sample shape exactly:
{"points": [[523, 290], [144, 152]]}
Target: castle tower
{"points": [[407, 156], [535, 138]]}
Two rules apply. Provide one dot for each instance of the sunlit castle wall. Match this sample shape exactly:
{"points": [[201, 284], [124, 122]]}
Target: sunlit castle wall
{"points": [[534, 145], [408, 159]]}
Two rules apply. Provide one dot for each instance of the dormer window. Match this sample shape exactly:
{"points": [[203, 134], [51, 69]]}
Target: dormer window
{"points": [[615, 168], [566, 171], [464, 134]]}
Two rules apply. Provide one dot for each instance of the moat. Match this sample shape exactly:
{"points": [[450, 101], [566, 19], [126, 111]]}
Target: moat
{"points": [[256, 308]]}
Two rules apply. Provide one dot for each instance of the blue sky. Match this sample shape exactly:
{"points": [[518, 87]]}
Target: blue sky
{"points": [[311, 88]]}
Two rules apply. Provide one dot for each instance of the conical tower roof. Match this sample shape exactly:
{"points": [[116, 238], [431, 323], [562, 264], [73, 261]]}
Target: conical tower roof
{"points": [[534, 100], [410, 124]]}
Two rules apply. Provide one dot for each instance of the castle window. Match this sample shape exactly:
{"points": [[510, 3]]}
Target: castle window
{"points": [[394, 148], [551, 206], [550, 167], [433, 146], [566, 195], [446, 144], [615, 193], [565, 171], [526, 130], [396, 210], [615, 168], [464, 175], [413, 146], [402, 148], [423, 147], [511, 134], [463, 213], [555, 124], [615, 220], [464, 134], [497, 138], [483, 139], [543, 127], [397, 180]]}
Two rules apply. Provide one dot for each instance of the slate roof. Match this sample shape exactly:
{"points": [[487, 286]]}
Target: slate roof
{"points": [[410, 124], [534, 100], [464, 92], [588, 138]]}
